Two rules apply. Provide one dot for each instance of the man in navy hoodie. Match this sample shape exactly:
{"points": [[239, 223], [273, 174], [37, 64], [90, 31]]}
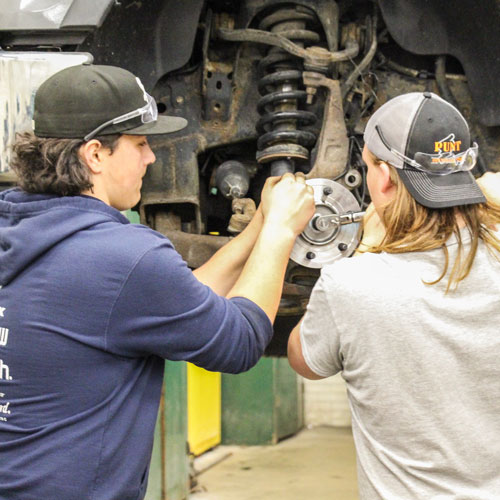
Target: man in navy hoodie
{"points": [[91, 305]]}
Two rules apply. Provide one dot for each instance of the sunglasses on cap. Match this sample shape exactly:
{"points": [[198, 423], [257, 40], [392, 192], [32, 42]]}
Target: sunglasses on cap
{"points": [[440, 163], [148, 114]]}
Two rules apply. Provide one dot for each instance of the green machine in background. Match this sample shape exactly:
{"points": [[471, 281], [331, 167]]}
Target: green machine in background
{"points": [[169, 469], [259, 407], [263, 405]]}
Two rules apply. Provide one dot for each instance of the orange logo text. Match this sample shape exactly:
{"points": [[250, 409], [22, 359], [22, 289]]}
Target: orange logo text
{"points": [[447, 146]]}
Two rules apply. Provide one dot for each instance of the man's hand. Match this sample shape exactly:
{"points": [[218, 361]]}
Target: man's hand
{"points": [[287, 206], [288, 202]]}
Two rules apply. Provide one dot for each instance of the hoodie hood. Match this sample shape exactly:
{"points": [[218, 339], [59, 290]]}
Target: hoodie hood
{"points": [[31, 224]]}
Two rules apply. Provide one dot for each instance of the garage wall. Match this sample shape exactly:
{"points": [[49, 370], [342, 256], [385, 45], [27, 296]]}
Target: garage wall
{"points": [[325, 402]]}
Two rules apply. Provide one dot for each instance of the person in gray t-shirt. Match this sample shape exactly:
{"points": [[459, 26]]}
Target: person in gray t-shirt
{"points": [[412, 323]]}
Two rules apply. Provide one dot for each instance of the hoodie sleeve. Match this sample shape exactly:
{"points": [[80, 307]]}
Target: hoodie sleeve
{"points": [[162, 309]]}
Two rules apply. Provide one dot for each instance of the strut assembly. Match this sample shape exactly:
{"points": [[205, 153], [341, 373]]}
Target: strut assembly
{"points": [[283, 141], [293, 69]]}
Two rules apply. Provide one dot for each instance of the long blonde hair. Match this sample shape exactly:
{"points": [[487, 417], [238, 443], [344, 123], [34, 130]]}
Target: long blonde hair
{"points": [[411, 227]]}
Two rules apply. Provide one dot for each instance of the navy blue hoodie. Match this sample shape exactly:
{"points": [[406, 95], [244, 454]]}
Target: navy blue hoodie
{"points": [[90, 305]]}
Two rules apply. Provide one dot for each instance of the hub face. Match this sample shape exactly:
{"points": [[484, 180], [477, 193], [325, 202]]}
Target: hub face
{"points": [[316, 247]]}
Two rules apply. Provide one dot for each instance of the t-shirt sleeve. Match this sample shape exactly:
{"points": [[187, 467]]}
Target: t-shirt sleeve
{"points": [[319, 335], [163, 310]]}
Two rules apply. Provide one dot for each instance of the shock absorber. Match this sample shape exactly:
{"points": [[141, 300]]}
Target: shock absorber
{"points": [[282, 142]]}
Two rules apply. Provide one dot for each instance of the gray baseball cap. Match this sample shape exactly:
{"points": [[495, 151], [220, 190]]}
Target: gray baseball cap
{"points": [[83, 101], [428, 141]]}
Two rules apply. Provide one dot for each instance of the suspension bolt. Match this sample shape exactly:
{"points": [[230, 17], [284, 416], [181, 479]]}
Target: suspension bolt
{"points": [[310, 255], [311, 92], [342, 247], [327, 191]]}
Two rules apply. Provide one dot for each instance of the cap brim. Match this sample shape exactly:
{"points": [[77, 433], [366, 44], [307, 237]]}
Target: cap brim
{"points": [[442, 191], [163, 125]]}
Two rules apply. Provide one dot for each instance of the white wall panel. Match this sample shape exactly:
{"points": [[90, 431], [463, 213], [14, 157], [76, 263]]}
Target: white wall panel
{"points": [[325, 402]]}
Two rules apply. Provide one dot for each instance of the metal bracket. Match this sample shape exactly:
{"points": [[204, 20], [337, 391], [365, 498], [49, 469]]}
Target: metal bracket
{"points": [[217, 83], [333, 143], [317, 57], [218, 91]]}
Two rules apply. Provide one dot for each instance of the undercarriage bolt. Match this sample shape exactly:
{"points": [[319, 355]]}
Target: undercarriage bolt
{"points": [[342, 247], [310, 255], [327, 191], [311, 92]]}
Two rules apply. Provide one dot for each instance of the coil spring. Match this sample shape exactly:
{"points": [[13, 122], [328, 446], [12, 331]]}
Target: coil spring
{"points": [[280, 135]]}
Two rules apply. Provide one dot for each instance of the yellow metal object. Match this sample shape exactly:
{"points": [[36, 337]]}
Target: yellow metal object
{"points": [[204, 409]]}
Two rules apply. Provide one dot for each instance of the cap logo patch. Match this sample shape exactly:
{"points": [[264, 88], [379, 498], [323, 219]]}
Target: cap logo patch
{"points": [[145, 95], [447, 145]]}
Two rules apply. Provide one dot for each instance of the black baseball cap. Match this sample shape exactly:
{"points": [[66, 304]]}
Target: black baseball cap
{"points": [[86, 100], [428, 141]]}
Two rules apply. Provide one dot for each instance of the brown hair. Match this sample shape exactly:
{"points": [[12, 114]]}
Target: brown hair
{"points": [[411, 227], [53, 165]]}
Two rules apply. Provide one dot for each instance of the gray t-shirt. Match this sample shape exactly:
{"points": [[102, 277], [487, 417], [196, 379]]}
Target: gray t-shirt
{"points": [[422, 370]]}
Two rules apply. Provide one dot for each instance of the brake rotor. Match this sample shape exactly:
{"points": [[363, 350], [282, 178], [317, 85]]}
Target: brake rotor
{"points": [[315, 247]]}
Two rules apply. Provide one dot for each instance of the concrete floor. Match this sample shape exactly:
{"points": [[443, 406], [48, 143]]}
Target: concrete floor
{"points": [[316, 464]]}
